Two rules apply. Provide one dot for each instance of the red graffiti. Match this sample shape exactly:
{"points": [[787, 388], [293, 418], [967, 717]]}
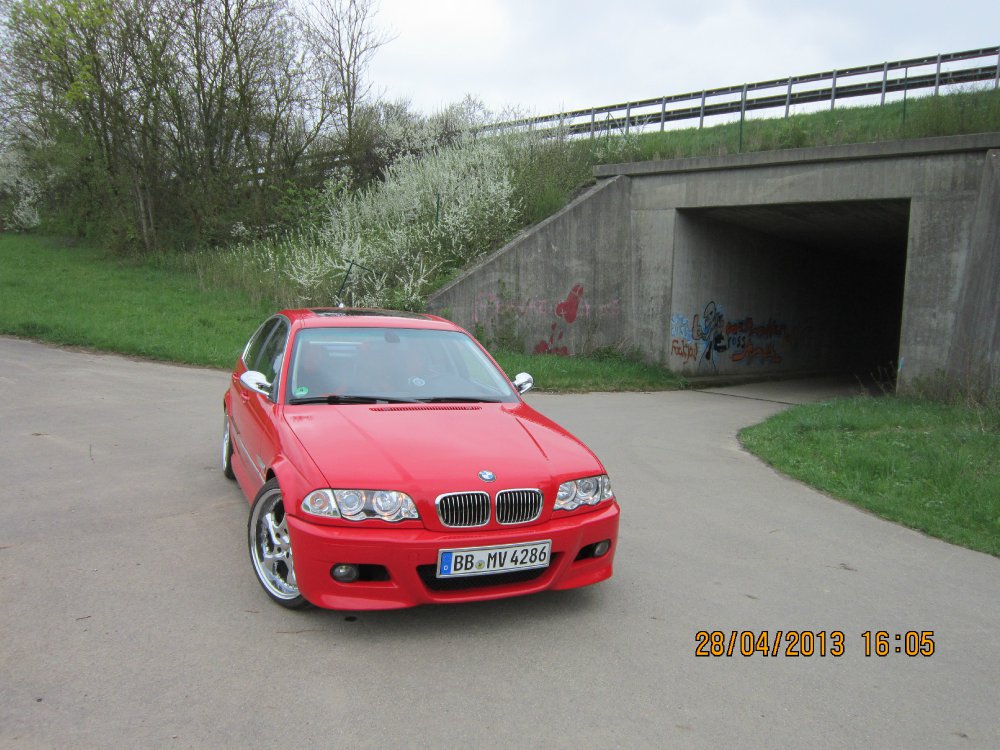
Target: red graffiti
{"points": [[549, 347], [763, 353], [568, 308], [771, 330], [687, 350]]}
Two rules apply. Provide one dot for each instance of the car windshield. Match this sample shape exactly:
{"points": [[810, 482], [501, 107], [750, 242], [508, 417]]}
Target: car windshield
{"points": [[365, 365]]}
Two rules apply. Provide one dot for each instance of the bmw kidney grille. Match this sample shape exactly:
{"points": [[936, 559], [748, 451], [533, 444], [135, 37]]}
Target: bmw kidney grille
{"points": [[465, 509]]}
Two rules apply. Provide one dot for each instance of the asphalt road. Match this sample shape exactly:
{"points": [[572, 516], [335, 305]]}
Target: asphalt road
{"points": [[129, 614]]}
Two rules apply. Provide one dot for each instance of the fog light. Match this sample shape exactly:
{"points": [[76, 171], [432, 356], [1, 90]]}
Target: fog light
{"points": [[601, 548], [344, 573]]}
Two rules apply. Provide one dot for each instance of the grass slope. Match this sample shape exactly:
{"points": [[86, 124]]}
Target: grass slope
{"points": [[69, 293], [959, 113], [929, 466]]}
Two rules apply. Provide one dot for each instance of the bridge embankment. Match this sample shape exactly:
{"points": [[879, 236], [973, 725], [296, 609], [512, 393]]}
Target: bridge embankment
{"points": [[867, 258]]}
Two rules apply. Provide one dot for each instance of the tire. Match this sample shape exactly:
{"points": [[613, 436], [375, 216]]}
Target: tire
{"points": [[271, 548], [227, 451]]}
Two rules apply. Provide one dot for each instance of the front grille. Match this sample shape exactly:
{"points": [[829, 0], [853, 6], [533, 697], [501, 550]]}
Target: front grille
{"points": [[518, 506], [464, 509]]}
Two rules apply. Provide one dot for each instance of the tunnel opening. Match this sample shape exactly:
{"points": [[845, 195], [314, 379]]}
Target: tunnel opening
{"points": [[792, 289]]}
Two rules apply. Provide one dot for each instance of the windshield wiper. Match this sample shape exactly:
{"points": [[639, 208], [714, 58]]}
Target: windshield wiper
{"points": [[333, 398]]}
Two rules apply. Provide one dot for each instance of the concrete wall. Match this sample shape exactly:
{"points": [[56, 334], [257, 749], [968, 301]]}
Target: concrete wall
{"points": [[974, 354], [804, 260], [562, 287]]}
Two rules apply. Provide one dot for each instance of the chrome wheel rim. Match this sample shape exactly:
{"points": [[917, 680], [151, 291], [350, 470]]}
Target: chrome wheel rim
{"points": [[225, 444], [271, 548]]}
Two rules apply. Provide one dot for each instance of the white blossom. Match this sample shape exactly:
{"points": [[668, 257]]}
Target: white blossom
{"points": [[18, 193], [448, 199]]}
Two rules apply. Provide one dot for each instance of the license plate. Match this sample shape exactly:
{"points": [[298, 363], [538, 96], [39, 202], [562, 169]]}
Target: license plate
{"points": [[478, 561]]}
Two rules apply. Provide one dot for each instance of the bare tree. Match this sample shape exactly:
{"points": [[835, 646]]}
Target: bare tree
{"points": [[162, 114], [344, 39], [170, 120]]}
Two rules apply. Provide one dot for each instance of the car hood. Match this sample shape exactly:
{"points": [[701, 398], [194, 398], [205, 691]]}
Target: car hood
{"points": [[436, 448]]}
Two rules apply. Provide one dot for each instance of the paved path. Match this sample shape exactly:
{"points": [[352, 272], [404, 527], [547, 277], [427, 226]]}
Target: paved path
{"points": [[129, 615]]}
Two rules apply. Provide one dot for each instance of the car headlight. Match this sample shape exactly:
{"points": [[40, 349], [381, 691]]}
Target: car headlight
{"points": [[359, 505], [586, 491], [321, 503]]}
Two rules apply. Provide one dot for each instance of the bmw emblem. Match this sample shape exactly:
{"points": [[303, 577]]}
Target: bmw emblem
{"points": [[487, 476]]}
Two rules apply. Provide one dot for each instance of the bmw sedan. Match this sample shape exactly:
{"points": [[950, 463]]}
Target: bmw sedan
{"points": [[389, 462]]}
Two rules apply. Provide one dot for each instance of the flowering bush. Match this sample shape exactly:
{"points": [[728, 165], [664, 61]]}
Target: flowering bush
{"points": [[383, 246], [18, 195], [446, 197]]}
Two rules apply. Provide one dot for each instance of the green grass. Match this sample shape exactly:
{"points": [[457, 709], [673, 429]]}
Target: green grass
{"points": [[929, 466], [973, 111], [547, 183], [75, 294], [602, 371]]}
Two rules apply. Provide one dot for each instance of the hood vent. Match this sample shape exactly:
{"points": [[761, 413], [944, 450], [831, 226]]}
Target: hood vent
{"points": [[428, 407]]}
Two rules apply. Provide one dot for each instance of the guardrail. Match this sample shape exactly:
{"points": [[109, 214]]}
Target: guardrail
{"points": [[881, 79]]}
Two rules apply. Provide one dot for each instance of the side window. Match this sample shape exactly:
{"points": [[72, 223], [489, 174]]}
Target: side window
{"points": [[252, 353], [268, 360]]}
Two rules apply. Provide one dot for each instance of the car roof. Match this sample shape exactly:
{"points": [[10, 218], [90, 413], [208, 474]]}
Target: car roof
{"points": [[349, 317]]}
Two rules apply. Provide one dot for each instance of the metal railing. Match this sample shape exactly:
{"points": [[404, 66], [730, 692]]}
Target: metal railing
{"points": [[880, 80]]}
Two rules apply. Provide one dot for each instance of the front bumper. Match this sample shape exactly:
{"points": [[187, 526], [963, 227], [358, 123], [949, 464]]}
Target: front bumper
{"points": [[410, 557]]}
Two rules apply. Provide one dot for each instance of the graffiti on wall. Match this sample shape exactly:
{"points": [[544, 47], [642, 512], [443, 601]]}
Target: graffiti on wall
{"points": [[750, 342], [491, 304], [566, 311], [710, 338], [559, 315]]}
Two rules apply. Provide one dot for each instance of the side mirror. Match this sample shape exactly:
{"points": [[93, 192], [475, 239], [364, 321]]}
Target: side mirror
{"points": [[523, 382], [256, 382]]}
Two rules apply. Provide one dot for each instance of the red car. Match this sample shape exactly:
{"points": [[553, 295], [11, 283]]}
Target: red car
{"points": [[389, 462]]}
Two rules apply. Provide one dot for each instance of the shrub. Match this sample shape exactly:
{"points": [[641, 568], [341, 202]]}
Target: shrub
{"points": [[18, 195], [384, 245]]}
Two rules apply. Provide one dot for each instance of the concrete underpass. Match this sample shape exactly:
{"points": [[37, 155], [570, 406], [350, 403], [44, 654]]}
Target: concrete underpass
{"points": [[879, 260], [816, 287]]}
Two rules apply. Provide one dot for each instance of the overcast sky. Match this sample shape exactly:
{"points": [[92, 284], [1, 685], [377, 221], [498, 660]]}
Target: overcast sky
{"points": [[547, 56]]}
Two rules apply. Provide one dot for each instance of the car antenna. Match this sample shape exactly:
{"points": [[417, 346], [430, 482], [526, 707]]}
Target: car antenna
{"points": [[347, 275]]}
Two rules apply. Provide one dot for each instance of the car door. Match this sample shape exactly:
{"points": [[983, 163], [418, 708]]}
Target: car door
{"points": [[253, 414]]}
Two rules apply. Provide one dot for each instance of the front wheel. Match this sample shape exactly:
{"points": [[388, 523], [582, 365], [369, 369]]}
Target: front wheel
{"points": [[271, 547], [227, 450]]}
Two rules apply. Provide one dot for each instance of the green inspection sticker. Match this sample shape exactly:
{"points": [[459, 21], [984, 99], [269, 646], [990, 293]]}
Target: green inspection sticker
{"points": [[301, 391]]}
